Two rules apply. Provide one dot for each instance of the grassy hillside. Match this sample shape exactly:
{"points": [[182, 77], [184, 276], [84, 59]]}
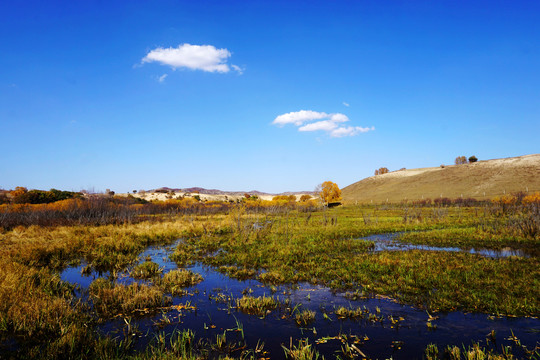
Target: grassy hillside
{"points": [[480, 180]]}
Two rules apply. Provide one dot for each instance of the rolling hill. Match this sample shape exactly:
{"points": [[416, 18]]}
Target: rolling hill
{"points": [[481, 180]]}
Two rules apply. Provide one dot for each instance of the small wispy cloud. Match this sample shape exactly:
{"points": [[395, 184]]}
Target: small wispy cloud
{"points": [[162, 78], [346, 104], [195, 57], [309, 120]]}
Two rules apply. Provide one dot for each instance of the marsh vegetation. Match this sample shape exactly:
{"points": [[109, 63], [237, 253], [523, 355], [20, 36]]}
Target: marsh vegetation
{"points": [[218, 280]]}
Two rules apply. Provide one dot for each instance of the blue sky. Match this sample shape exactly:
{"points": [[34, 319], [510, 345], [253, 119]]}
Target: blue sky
{"points": [[267, 95]]}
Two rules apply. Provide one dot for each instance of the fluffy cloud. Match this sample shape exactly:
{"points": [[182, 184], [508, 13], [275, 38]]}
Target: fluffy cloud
{"points": [[308, 120], [194, 57], [299, 117]]}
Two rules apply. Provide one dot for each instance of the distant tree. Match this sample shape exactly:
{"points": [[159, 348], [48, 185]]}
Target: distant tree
{"points": [[3, 197], [305, 198], [473, 159], [18, 195], [329, 192], [460, 160], [381, 171], [42, 197]]}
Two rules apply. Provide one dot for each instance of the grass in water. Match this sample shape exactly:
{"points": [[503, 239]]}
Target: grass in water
{"points": [[305, 317], [257, 305], [174, 281], [110, 299], [145, 270]]}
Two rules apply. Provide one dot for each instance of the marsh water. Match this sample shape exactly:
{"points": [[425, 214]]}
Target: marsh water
{"points": [[389, 242], [212, 314]]}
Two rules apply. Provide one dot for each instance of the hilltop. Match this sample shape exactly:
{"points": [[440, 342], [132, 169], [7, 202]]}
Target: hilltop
{"points": [[480, 180]]}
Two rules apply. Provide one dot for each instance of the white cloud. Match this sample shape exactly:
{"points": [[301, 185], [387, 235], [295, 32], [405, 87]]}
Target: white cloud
{"points": [[325, 125], [350, 131], [339, 118], [346, 104], [308, 120], [298, 117], [238, 69], [162, 78], [194, 57]]}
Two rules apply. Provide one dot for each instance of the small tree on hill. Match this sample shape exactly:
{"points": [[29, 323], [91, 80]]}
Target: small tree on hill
{"points": [[460, 160], [473, 159], [381, 171]]}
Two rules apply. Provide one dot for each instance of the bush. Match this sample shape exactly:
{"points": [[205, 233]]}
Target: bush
{"points": [[473, 159], [43, 197], [284, 198], [381, 171]]}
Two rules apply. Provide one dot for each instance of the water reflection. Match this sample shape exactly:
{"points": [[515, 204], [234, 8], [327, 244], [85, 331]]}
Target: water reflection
{"points": [[215, 313], [388, 242]]}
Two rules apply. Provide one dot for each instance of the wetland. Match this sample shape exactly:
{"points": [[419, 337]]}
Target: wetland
{"points": [[279, 281]]}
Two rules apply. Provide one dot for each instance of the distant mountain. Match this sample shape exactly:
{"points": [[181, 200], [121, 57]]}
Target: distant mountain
{"points": [[201, 190], [479, 180]]}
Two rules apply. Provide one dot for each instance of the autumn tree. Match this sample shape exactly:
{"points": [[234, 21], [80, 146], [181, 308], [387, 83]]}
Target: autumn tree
{"points": [[473, 159], [329, 192], [460, 160], [381, 171], [305, 198]]}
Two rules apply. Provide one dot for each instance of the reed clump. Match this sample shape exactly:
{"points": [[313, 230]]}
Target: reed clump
{"points": [[260, 305], [111, 299], [304, 317], [145, 270], [174, 281], [303, 351]]}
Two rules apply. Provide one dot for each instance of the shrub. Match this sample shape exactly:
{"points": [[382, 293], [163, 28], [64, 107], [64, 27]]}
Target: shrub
{"points": [[473, 159], [284, 198], [381, 171], [532, 199]]}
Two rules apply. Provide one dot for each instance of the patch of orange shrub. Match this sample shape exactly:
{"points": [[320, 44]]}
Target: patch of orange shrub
{"points": [[533, 198]]}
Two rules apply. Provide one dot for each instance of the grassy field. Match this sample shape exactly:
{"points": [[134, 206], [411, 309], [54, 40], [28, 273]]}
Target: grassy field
{"points": [[276, 245]]}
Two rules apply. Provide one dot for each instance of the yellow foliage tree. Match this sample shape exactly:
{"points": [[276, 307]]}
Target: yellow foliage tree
{"points": [[380, 171], [329, 192]]}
